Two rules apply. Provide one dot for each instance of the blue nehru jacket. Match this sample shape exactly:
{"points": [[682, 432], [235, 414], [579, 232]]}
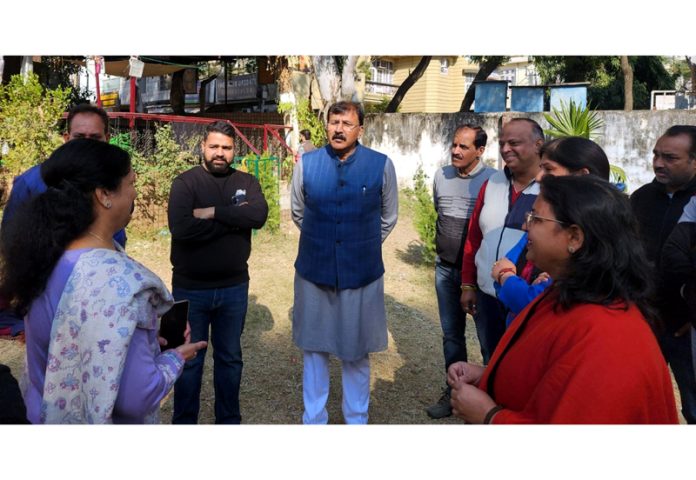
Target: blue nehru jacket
{"points": [[341, 239]]}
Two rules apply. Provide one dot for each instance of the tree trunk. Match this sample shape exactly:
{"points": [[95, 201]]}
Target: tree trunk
{"points": [[27, 67], [283, 74], [177, 98], [348, 79], [326, 73], [485, 68], [628, 83], [412, 78], [692, 69]]}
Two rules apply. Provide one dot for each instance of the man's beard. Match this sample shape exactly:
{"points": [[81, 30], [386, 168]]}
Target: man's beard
{"points": [[213, 168]]}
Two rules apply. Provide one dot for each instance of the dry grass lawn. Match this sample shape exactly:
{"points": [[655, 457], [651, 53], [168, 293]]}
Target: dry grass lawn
{"points": [[405, 379]]}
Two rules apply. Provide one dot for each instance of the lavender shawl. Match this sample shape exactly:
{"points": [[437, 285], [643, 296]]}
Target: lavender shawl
{"points": [[107, 296]]}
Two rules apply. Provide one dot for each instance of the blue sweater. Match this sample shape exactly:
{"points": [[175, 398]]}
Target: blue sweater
{"points": [[516, 294], [29, 185]]}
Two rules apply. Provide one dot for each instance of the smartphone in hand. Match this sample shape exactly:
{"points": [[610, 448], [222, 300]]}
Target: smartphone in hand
{"points": [[173, 324]]}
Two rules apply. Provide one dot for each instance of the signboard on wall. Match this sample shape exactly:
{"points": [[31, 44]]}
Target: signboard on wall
{"points": [[239, 87]]}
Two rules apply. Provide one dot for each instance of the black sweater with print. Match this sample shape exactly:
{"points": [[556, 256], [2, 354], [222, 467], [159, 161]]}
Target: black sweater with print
{"points": [[213, 253]]}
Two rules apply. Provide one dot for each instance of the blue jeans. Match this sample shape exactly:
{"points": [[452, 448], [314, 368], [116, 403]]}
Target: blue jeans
{"points": [[490, 323], [452, 318], [222, 311], [677, 352]]}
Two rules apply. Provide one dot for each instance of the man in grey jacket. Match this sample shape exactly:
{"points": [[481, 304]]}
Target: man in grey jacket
{"points": [[455, 188]]}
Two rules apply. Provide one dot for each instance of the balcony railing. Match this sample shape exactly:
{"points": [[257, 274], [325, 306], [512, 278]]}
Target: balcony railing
{"points": [[380, 88]]}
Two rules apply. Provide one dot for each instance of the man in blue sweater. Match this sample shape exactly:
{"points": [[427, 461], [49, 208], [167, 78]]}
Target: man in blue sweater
{"points": [[345, 203], [84, 121]]}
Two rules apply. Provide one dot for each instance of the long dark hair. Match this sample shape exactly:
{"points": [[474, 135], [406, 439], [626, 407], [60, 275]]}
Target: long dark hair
{"points": [[34, 239], [611, 266], [576, 153]]}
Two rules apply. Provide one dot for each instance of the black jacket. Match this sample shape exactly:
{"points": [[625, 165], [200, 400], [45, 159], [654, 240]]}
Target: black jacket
{"points": [[679, 264], [657, 216]]}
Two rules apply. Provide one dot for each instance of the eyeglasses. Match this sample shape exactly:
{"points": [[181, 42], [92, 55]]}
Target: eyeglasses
{"points": [[334, 124], [531, 217]]}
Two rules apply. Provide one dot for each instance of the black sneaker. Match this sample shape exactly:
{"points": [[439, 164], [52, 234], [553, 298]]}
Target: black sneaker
{"points": [[442, 408]]}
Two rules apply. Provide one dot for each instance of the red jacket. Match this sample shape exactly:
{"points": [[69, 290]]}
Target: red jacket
{"points": [[591, 364]]}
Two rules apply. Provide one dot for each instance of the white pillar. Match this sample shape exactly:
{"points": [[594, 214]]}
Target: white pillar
{"points": [[27, 67]]}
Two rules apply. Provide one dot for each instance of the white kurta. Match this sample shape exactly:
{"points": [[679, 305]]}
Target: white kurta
{"points": [[348, 323]]}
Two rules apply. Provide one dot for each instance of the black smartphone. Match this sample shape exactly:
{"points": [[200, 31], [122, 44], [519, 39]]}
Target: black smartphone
{"points": [[173, 324]]}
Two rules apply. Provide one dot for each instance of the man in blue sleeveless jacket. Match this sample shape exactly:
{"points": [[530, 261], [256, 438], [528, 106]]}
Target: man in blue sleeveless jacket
{"points": [[345, 203]]}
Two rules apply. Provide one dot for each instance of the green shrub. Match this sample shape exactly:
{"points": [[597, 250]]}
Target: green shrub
{"points": [[122, 140], [266, 170], [572, 120], [312, 122], [425, 218], [307, 119], [156, 172], [29, 119]]}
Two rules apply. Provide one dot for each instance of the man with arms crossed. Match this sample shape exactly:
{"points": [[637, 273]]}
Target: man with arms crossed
{"points": [[212, 210]]}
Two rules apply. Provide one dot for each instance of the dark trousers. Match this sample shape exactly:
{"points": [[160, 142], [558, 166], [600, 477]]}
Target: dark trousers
{"points": [[220, 311], [677, 352], [490, 323], [452, 318]]}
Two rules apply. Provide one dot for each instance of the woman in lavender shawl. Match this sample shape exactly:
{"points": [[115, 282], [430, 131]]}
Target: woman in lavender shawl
{"points": [[91, 312]]}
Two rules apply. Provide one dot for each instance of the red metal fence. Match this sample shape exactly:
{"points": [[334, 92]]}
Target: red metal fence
{"points": [[251, 137], [140, 129]]}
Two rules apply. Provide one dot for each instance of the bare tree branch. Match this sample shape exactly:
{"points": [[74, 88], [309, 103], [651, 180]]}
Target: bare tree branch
{"points": [[628, 83], [407, 84], [486, 66]]}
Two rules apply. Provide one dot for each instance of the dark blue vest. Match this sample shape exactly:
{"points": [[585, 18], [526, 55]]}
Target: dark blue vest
{"points": [[341, 239]]}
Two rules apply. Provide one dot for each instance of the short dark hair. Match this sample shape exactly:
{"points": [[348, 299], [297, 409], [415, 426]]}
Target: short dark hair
{"points": [[343, 107], [537, 131], [481, 137], [576, 153], [219, 126], [306, 134], [689, 130], [87, 108], [611, 267]]}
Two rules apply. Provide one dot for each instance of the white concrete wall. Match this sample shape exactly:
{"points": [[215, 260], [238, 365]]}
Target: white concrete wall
{"points": [[411, 140]]}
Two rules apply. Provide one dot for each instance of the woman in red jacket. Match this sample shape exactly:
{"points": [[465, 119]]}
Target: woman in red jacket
{"points": [[584, 351]]}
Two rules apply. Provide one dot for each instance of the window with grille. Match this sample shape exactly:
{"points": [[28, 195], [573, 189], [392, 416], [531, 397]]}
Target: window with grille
{"points": [[382, 71], [532, 76], [382, 76], [509, 74]]}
